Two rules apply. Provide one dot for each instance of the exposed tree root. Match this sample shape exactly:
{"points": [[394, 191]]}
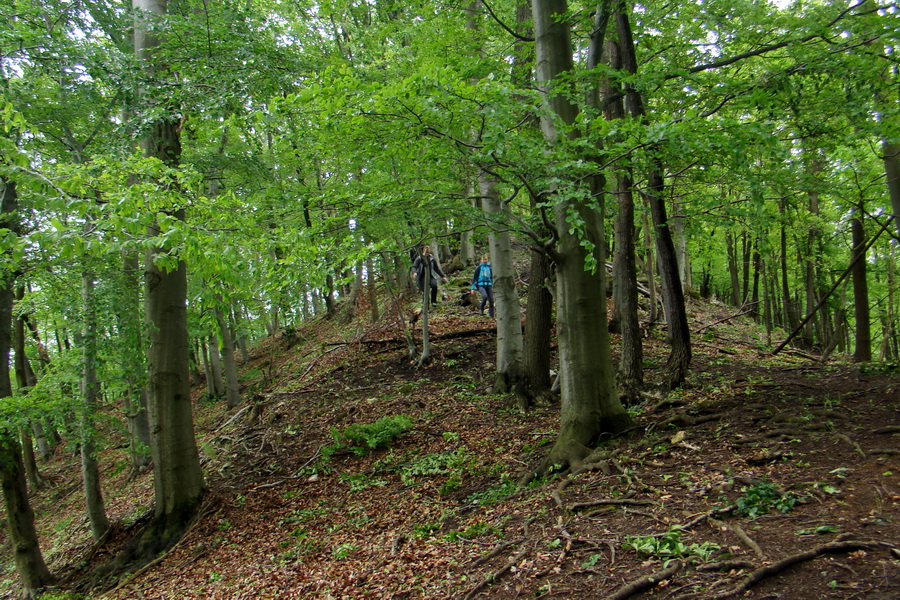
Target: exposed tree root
{"points": [[611, 502], [496, 574], [888, 430], [851, 443], [885, 451], [746, 539], [775, 568], [497, 551], [647, 581]]}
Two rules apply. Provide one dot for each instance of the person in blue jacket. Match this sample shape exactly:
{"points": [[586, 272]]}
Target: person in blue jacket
{"points": [[483, 281]]}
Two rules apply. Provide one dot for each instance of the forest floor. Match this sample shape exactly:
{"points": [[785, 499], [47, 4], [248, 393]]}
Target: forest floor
{"points": [[764, 477]]}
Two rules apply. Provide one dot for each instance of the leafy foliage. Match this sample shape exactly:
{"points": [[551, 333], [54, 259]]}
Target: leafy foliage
{"points": [[362, 438], [670, 546], [762, 496]]}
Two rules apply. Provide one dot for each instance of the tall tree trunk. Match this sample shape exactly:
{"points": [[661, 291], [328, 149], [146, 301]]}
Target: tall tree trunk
{"points": [[672, 291], [90, 390], [590, 405], [372, 289], [731, 251], [538, 324], [178, 478], [625, 291], [863, 348], [426, 300], [891, 160], [33, 572], [131, 342], [510, 361]]}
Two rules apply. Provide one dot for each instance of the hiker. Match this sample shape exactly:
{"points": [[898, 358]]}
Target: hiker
{"points": [[419, 272], [483, 281]]}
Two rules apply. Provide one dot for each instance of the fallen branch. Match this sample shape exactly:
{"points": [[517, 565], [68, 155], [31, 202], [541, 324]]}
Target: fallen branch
{"points": [[775, 568], [647, 581], [741, 313]]}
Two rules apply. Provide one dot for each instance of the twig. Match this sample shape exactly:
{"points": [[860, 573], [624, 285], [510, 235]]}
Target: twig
{"points": [[642, 583]]}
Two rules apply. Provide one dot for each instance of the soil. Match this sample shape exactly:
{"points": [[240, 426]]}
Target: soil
{"points": [[764, 477]]}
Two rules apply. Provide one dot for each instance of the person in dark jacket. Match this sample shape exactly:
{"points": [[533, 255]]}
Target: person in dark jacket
{"points": [[483, 281], [419, 272]]}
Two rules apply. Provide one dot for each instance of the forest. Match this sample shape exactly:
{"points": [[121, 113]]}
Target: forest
{"points": [[210, 214]]}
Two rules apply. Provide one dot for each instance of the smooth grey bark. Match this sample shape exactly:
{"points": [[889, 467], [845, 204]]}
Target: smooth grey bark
{"points": [[589, 403], [216, 383], [510, 360], [232, 385], [178, 478], [863, 347], [131, 342], [90, 390], [33, 572], [891, 159]]}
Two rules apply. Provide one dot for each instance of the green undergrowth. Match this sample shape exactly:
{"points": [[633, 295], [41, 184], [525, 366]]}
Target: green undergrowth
{"points": [[363, 438]]}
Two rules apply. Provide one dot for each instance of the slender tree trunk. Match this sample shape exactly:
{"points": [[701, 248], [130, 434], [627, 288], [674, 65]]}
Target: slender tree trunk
{"points": [[733, 269], [625, 291], [215, 367], [90, 390], [538, 324], [32, 473], [510, 361], [33, 572], [26, 379], [673, 293], [757, 268], [863, 348], [131, 342], [232, 385], [372, 289], [426, 300]]}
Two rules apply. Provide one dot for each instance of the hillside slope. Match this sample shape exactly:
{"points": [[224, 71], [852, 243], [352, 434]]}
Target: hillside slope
{"points": [[758, 463]]}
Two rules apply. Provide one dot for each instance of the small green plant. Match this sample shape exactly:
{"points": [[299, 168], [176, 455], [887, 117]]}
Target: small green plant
{"points": [[432, 465], [450, 436], [591, 561], [362, 438], [670, 546], [762, 496], [471, 532], [214, 576], [344, 551], [361, 481], [425, 530]]}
